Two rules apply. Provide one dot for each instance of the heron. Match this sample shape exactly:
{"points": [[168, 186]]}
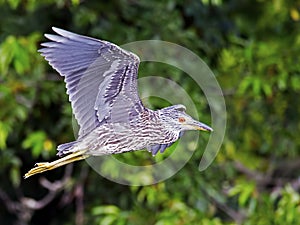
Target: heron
{"points": [[101, 82]]}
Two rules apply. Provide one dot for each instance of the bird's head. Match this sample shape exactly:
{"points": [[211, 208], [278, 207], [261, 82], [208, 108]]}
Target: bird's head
{"points": [[176, 118]]}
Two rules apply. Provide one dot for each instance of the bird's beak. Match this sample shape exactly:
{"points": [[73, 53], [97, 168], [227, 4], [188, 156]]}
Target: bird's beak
{"points": [[201, 126]]}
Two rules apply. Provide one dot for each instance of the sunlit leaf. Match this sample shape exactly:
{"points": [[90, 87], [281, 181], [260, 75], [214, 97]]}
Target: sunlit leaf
{"points": [[35, 142], [107, 209], [4, 131]]}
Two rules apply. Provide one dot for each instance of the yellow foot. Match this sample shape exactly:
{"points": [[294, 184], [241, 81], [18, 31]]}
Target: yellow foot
{"points": [[44, 166], [40, 167], [40, 164]]}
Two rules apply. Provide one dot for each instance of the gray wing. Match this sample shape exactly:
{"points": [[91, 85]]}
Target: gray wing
{"points": [[100, 77], [161, 147]]}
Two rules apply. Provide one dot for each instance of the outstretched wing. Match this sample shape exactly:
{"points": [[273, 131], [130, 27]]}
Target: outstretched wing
{"points": [[101, 78]]}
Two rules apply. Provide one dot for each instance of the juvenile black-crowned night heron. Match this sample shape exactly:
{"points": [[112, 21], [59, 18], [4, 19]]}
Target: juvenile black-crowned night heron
{"points": [[101, 81]]}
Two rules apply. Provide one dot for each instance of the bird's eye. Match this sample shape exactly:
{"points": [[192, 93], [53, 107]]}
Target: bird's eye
{"points": [[181, 119]]}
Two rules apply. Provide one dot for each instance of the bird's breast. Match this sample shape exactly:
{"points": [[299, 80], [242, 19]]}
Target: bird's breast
{"points": [[117, 138]]}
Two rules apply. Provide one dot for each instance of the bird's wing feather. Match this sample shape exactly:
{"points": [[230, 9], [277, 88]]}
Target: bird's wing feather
{"points": [[99, 77], [155, 148]]}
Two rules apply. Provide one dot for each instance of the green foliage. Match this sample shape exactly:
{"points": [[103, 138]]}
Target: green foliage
{"points": [[38, 143], [288, 207], [4, 131], [253, 48]]}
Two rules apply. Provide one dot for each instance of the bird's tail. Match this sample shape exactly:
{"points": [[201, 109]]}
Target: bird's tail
{"points": [[66, 148], [44, 166]]}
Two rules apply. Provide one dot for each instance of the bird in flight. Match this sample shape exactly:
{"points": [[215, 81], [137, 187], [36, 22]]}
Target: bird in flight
{"points": [[101, 81]]}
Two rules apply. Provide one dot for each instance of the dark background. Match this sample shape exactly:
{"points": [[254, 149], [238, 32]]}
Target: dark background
{"points": [[253, 48]]}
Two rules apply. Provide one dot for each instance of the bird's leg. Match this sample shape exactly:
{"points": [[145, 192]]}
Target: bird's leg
{"points": [[44, 166]]}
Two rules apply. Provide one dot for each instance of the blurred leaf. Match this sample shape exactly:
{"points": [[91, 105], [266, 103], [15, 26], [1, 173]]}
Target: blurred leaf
{"points": [[18, 52], [35, 141], [295, 14], [4, 131], [108, 209], [244, 190], [288, 210], [15, 176], [6, 54], [14, 3], [295, 82]]}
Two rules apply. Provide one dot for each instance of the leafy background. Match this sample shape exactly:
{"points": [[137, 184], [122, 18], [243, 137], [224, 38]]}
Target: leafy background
{"points": [[253, 48]]}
